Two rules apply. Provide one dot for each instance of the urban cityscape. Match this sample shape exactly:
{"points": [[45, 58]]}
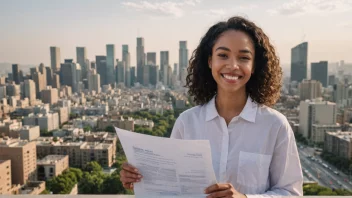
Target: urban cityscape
{"points": [[57, 119]]}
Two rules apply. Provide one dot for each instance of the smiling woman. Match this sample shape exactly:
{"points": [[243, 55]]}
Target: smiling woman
{"points": [[234, 76]]}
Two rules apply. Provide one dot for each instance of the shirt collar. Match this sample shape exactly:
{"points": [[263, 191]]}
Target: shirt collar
{"points": [[248, 113]]}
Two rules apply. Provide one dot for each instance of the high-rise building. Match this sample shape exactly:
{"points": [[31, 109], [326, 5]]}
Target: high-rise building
{"points": [[94, 81], [70, 74], [183, 56], [319, 72], [120, 72], [153, 74], [5, 175], [23, 159], [146, 77], [332, 80], [100, 62], [50, 95], [133, 75], [151, 58], [13, 90], [169, 76], [2, 92], [310, 89], [110, 63], [140, 59], [315, 112], [164, 65], [127, 59], [81, 53], [93, 65], [15, 73], [175, 69], [30, 90], [42, 70], [299, 56], [56, 81], [55, 58], [48, 121], [49, 76]]}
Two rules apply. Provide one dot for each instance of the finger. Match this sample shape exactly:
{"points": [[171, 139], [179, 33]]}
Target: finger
{"points": [[128, 167], [217, 187], [218, 194], [127, 174], [127, 185], [129, 180]]}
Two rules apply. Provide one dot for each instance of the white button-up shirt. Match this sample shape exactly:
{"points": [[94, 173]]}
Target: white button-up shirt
{"points": [[256, 152]]}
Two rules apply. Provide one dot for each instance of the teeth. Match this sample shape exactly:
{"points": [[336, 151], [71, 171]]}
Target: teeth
{"points": [[231, 77]]}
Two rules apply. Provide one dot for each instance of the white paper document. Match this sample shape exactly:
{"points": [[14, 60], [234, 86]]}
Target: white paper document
{"points": [[170, 167]]}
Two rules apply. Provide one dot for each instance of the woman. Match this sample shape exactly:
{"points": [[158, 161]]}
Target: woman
{"points": [[235, 77]]}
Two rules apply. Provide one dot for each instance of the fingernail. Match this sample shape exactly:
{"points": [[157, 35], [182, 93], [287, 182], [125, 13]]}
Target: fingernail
{"points": [[139, 176], [135, 170], [138, 180]]}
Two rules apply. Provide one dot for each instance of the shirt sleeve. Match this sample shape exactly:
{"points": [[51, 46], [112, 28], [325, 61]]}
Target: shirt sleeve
{"points": [[178, 129], [286, 178]]}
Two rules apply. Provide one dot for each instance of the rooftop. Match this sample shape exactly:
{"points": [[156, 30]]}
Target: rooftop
{"points": [[50, 159]]}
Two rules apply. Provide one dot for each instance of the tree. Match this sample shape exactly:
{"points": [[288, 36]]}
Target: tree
{"points": [[78, 173], [87, 128], [55, 139], [91, 183], [112, 185], [93, 166], [110, 129]]}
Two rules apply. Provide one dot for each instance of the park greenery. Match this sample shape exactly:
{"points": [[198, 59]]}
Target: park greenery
{"points": [[313, 189]]}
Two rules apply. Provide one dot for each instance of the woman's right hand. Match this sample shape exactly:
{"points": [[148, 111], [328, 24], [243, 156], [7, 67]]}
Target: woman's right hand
{"points": [[129, 175]]}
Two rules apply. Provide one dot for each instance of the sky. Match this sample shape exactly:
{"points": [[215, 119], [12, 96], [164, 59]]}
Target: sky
{"points": [[29, 27]]}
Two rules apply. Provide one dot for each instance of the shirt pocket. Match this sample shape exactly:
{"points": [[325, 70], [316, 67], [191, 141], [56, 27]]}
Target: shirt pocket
{"points": [[253, 169]]}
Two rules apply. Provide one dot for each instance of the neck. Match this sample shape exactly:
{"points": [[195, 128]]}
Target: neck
{"points": [[230, 105]]}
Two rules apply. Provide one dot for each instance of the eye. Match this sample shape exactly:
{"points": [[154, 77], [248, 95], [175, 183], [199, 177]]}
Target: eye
{"points": [[245, 58], [222, 55]]}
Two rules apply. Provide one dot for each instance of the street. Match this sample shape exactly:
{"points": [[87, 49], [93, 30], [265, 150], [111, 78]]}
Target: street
{"points": [[316, 169]]}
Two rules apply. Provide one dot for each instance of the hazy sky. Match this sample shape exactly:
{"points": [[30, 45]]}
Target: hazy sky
{"points": [[29, 27]]}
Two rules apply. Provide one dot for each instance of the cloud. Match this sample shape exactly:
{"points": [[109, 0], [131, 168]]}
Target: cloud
{"points": [[299, 7], [166, 8], [223, 12]]}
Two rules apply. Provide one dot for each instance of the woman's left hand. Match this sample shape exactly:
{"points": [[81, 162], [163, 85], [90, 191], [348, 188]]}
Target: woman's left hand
{"points": [[223, 190]]}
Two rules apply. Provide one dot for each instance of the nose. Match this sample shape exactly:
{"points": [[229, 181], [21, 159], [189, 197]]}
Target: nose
{"points": [[233, 64]]}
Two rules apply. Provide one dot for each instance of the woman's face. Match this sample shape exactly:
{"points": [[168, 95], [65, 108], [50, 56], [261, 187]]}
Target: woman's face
{"points": [[232, 61]]}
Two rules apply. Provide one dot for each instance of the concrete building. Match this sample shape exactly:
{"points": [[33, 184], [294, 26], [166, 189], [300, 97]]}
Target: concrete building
{"points": [[26, 133], [5, 177], [49, 121], [120, 122], [30, 90], [80, 153], [8, 125], [2, 92], [120, 72], [153, 74], [299, 56], [319, 72], [133, 75], [310, 89], [164, 64], [332, 80], [140, 59], [49, 76], [110, 63], [13, 90], [55, 58], [23, 158], [339, 144], [183, 56], [318, 131], [38, 78], [50, 96], [42, 70], [51, 166], [146, 75], [56, 81], [315, 112]]}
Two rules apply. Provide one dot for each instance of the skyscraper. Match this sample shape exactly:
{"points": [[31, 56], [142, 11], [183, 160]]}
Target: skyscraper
{"points": [[146, 75], [140, 59], [120, 72], [110, 64], [94, 81], [49, 76], [164, 64], [151, 58], [310, 89], [43, 71], [15, 73], [100, 62], [56, 81], [133, 75], [183, 55], [29, 90], [55, 58], [319, 72], [126, 58], [153, 74], [81, 53], [38, 78], [299, 56], [70, 74]]}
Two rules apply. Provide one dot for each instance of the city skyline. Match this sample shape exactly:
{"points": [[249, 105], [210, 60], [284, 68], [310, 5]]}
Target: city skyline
{"points": [[164, 23]]}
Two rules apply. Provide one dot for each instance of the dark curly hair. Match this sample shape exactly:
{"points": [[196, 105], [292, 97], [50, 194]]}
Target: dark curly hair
{"points": [[265, 83]]}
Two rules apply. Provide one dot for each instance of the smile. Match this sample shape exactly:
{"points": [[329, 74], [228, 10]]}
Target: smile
{"points": [[231, 77]]}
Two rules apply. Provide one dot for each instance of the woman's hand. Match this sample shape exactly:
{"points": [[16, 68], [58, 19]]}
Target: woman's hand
{"points": [[129, 175], [223, 190]]}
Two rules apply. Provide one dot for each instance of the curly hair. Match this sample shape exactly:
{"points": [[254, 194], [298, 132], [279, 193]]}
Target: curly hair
{"points": [[265, 83]]}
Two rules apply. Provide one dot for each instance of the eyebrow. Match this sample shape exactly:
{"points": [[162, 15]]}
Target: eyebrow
{"points": [[227, 49]]}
